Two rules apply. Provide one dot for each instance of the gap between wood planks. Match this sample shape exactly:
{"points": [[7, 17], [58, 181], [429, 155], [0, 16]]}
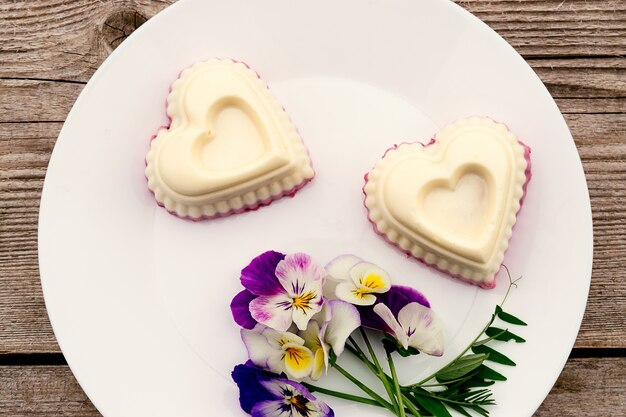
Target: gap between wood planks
{"points": [[47, 359]]}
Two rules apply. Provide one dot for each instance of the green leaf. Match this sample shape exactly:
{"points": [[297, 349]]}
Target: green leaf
{"points": [[493, 355], [485, 372], [509, 318], [478, 382], [460, 367], [480, 410], [488, 339], [432, 405], [503, 335], [459, 410]]}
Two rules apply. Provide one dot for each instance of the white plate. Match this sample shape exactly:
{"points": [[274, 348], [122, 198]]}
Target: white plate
{"points": [[139, 299]]}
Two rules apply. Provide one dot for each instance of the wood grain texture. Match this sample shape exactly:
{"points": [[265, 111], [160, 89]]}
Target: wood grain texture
{"points": [[50, 48], [67, 40], [556, 28], [31, 391]]}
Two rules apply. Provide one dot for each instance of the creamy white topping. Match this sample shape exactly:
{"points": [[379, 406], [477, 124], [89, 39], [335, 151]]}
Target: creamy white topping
{"points": [[452, 203], [230, 144]]}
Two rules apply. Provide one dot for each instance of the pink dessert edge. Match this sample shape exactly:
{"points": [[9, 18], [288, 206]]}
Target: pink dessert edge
{"points": [[528, 174], [252, 207]]}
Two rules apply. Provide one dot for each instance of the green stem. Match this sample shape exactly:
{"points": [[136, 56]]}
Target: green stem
{"points": [[409, 404], [356, 351], [428, 378], [396, 385], [382, 376], [369, 348], [493, 317], [365, 389], [356, 398]]}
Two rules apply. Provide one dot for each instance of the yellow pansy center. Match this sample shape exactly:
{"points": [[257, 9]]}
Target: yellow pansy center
{"points": [[369, 283], [303, 302], [372, 281], [297, 358]]}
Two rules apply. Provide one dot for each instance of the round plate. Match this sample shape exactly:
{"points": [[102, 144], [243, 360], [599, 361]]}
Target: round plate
{"points": [[139, 299]]}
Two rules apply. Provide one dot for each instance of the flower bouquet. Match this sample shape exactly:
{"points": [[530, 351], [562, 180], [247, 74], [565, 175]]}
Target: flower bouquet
{"points": [[298, 318]]}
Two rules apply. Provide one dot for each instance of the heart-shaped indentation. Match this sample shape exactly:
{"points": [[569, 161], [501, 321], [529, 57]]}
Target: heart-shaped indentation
{"points": [[230, 145], [453, 202], [234, 140], [458, 209]]}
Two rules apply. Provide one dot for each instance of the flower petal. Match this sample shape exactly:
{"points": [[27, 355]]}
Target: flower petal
{"points": [[277, 339], [339, 268], [424, 330], [398, 296], [302, 402], [271, 408], [240, 309], [319, 364], [303, 311], [259, 277], [371, 277], [311, 335], [346, 291], [250, 390], [298, 270], [398, 332], [260, 352], [345, 319], [298, 361], [273, 311]]}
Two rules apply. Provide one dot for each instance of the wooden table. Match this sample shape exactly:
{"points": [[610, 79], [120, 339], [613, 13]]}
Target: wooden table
{"points": [[50, 48]]}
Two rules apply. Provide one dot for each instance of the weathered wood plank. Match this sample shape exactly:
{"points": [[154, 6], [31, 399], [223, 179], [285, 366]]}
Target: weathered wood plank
{"points": [[65, 40], [31, 391], [84, 32], [566, 28], [24, 153], [583, 78], [586, 388]]}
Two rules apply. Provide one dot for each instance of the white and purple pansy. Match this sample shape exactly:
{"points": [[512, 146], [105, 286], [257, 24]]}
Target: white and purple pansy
{"points": [[329, 330], [262, 394], [357, 281], [406, 314], [279, 290], [278, 352]]}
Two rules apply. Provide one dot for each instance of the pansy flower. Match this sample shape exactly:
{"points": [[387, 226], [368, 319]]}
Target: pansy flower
{"points": [[406, 314], [265, 395], [278, 352], [357, 281], [279, 290], [329, 330]]}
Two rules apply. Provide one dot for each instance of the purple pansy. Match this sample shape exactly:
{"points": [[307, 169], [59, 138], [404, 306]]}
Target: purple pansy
{"points": [[406, 314], [263, 394], [279, 290], [396, 298]]}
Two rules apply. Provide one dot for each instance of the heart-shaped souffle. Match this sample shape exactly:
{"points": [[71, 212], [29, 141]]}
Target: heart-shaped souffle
{"points": [[230, 146], [452, 203]]}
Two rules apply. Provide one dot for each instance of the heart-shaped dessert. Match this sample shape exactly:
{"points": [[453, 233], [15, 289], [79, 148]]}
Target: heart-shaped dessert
{"points": [[452, 203], [230, 146]]}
